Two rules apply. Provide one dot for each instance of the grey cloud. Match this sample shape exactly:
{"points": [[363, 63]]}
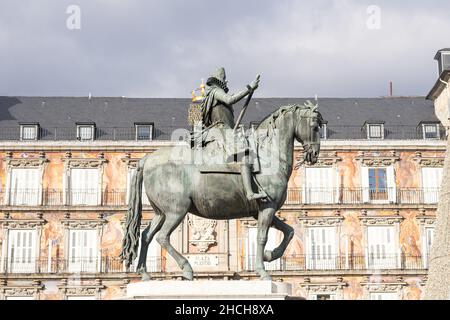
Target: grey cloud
{"points": [[163, 48]]}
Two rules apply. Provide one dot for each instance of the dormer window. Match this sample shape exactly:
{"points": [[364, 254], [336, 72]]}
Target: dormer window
{"points": [[85, 131], [29, 131], [375, 130], [430, 130], [144, 131]]}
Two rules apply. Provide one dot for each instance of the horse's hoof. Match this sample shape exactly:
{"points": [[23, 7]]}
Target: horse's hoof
{"points": [[263, 275], [145, 276], [268, 255], [188, 275]]}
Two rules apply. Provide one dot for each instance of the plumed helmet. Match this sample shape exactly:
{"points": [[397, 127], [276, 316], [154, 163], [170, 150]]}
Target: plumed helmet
{"points": [[219, 75]]}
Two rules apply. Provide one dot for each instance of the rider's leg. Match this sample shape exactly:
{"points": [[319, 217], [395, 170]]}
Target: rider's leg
{"points": [[246, 173]]}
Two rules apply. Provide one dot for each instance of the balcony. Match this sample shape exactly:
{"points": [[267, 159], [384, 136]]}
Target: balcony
{"points": [[295, 196], [340, 262], [299, 196], [75, 265]]}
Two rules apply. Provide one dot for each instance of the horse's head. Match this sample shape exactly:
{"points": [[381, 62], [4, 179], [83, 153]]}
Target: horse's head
{"points": [[307, 131]]}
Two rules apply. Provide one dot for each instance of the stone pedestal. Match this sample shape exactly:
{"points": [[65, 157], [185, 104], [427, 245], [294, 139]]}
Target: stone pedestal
{"points": [[209, 290]]}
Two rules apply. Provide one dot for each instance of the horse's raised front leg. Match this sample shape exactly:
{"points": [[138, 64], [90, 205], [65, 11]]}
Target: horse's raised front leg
{"points": [[265, 216], [163, 238], [288, 234], [147, 236]]}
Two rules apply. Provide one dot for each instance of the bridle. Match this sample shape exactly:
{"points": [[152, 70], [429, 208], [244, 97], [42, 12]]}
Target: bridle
{"points": [[308, 144]]}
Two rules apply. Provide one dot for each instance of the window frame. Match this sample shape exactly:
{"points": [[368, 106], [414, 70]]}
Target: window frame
{"points": [[80, 126], [313, 261], [35, 126], [323, 132], [368, 129], [144, 124], [435, 125]]}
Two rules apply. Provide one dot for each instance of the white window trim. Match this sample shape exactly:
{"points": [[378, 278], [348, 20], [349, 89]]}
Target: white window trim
{"points": [[330, 265], [36, 132], [386, 221], [390, 184], [151, 125], [423, 187], [79, 163], [84, 224], [436, 125], [425, 222], [381, 125], [334, 184], [325, 133], [13, 224], [91, 126]]}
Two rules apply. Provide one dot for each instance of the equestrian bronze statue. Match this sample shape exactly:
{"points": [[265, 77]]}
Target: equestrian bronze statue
{"points": [[183, 178]]}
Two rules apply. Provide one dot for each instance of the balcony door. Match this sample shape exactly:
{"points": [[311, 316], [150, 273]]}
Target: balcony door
{"points": [[319, 185], [431, 182], [83, 253], [25, 186], [321, 251], [84, 186], [22, 251], [382, 248]]}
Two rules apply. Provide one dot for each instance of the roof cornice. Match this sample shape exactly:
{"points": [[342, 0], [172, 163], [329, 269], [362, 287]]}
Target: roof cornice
{"points": [[439, 86]]}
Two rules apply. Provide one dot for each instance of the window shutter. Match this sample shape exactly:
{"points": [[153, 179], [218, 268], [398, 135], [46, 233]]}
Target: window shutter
{"points": [[392, 188], [22, 251], [365, 184], [319, 185], [25, 185], [431, 183], [82, 250], [321, 248], [84, 186]]}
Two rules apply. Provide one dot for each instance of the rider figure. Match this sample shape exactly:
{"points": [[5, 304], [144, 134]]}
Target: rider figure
{"points": [[217, 108]]}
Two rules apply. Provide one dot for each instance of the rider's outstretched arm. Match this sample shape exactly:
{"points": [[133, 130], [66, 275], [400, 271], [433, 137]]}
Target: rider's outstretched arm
{"points": [[230, 99]]}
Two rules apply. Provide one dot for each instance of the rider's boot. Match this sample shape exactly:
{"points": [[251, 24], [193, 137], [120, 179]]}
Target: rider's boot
{"points": [[246, 174]]}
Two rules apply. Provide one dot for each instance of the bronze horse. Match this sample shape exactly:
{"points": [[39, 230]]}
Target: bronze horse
{"points": [[175, 186]]}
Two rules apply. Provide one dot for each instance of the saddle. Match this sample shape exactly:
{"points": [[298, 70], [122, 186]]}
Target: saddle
{"points": [[223, 150]]}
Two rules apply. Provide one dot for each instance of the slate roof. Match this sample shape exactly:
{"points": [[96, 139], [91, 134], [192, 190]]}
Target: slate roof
{"points": [[346, 116]]}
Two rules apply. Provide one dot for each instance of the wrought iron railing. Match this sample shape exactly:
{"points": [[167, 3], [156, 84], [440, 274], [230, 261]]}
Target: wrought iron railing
{"points": [[175, 132], [303, 262], [295, 196], [361, 195], [76, 265]]}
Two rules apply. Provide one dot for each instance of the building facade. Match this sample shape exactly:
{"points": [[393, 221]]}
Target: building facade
{"points": [[363, 214]]}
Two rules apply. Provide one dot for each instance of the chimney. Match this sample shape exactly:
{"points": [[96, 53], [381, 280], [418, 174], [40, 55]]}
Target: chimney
{"points": [[391, 89]]}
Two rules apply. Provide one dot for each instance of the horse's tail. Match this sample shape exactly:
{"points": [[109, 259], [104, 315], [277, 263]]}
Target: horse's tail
{"points": [[133, 220]]}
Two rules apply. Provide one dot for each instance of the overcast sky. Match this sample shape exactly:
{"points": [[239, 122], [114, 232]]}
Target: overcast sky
{"points": [[142, 48]]}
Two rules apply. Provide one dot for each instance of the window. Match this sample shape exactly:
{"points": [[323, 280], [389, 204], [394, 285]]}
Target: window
{"points": [[144, 131], [319, 185], [321, 250], [382, 247], [427, 244], [431, 183], [84, 187], [22, 251], [383, 296], [28, 132], [251, 245], [378, 185], [25, 186], [430, 131], [82, 250], [145, 200], [85, 132], [375, 131]]}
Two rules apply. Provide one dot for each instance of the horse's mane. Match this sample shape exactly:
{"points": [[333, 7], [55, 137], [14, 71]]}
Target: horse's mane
{"points": [[270, 122]]}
